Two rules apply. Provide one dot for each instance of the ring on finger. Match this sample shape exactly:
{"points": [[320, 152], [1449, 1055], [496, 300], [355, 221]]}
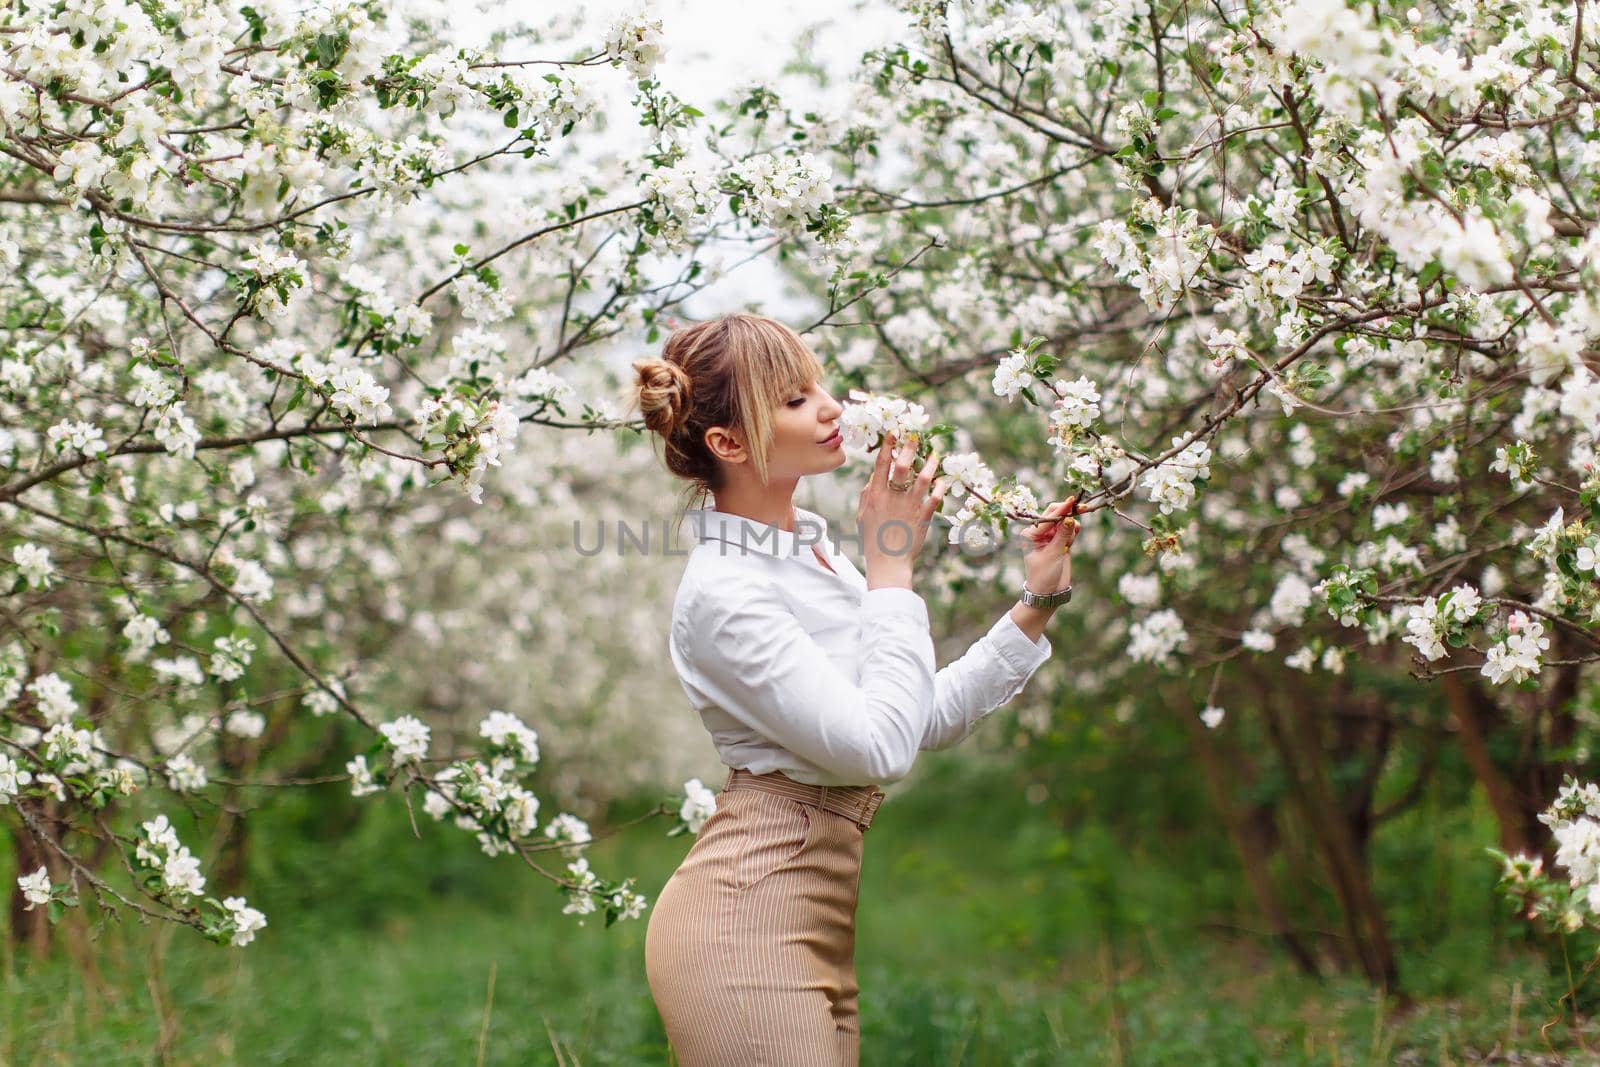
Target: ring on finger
{"points": [[901, 487]]}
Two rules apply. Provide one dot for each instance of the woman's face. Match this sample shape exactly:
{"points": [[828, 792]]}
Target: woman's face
{"points": [[805, 435]]}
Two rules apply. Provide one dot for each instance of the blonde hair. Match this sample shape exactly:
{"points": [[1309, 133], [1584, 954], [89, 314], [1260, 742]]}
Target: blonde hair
{"points": [[730, 372]]}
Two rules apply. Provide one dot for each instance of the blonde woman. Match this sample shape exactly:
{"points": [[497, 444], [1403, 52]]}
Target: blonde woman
{"points": [[816, 682]]}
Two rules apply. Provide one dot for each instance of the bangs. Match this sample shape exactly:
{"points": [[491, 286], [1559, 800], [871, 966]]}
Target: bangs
{"points": [[788, 366], [800, 371]]}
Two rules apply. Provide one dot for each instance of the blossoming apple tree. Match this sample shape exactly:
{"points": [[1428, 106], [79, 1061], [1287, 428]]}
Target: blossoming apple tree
{"points": [[1301, 297], [275, 275]]}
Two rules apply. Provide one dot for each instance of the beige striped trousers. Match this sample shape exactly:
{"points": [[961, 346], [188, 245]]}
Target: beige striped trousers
{"points": [[750, 946]]}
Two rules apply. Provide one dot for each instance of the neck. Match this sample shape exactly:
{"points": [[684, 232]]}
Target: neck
{"points": [[770, 504]]}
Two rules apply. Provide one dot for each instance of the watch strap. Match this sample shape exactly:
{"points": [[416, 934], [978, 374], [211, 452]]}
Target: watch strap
{"points": [[1045, 600]]}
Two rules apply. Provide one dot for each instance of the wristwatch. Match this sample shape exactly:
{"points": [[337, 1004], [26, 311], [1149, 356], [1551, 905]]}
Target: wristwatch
{"points": [[1046, 600]]}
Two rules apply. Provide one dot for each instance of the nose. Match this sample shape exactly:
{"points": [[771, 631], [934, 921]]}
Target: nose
{"points": [[831, 410]]}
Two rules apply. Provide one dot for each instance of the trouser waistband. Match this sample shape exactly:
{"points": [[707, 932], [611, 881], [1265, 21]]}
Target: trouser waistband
{"points": [[857, 802]]}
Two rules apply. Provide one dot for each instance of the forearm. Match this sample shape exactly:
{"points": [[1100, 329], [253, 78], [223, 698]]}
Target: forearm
{"points": [[992, 671], [1031, 620]]}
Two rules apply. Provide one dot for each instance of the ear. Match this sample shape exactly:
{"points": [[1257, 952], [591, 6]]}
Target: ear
{"points": [[726, 445]]}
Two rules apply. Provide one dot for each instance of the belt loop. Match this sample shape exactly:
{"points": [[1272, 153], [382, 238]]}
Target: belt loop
{"points": [[858, 803]]}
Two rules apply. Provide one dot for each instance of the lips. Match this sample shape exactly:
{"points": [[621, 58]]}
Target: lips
{"points": [[831, 440]]}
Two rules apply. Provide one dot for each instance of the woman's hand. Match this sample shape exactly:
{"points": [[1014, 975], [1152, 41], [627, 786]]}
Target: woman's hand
{"points": [[894, 522], [1048, 564]]}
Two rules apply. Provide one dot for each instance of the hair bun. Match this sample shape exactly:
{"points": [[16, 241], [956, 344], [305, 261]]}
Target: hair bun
{"points": [[663, 395]]}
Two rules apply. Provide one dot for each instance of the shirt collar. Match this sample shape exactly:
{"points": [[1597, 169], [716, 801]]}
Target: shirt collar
{"points": [[750, 536]]}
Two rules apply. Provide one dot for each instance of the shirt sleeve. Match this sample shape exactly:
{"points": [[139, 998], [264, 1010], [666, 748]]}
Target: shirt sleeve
{"points": [[992, 671], [752, 657]]}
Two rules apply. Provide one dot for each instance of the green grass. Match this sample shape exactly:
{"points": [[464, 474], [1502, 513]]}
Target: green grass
{"points": [[987, 935]]}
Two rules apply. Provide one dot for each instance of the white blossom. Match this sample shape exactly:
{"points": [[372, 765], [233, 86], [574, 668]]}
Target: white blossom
{"points": [[361, 780], [1425, 629], [357, 396], [54, 697], [699, 804], [1302, 659], [245, 723], [34, 563], [143, 633], [1171, 482], [1443, 465], [1519, 655], [1290, 599], [184, 775], [13, 777], [1156, 638], [1012, 376], [504, 730], [1140, 590], [867, 417], [1258, 641], [408, 736], [35, 888], [181, 873], [637, 41], [246, 920], [569, 828]]}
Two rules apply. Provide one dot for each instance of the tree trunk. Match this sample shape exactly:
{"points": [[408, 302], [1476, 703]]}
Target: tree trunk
{"points": [[1345, 855], [1247, 844], [1294, 734], [1467, 708]]}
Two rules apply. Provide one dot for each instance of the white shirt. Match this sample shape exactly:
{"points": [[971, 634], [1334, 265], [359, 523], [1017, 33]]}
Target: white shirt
{"points": [[798, 669]]}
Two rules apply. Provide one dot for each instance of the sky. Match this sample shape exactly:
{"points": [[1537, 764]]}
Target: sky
{"points": [[715, 46], [714, 49]]}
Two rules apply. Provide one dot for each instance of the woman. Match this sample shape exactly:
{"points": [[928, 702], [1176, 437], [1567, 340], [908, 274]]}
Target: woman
{"points": [[816, 683]]}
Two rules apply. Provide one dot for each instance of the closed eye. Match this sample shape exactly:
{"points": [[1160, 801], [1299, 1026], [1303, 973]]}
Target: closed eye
{"points": [[797, 400]]}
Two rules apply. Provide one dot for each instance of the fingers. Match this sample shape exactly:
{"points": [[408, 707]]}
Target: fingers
{"points": [[880, 466], [1070, 526], [894, 459], [1048, 521], [1037, 532], [1063, 508], [929, 474], [904, 453], [1056, 523], [1067, 532]]}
